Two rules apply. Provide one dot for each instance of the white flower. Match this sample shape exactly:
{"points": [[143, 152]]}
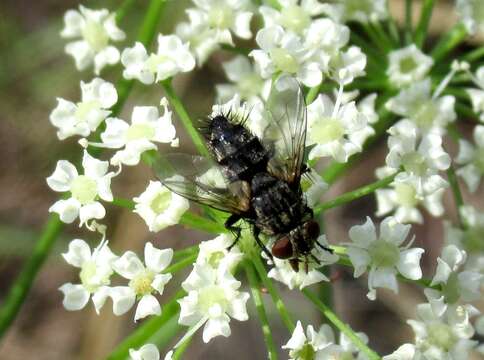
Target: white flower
{"points": [[314, 187], [469, 238], [146, 352], [147, 128], [215, 252], [477, 95], [85, 116], [430, 114], [408, 65], [84, 189], [445, 336], [159, 207], [366, 107], [406, 193], [383, 255], [330, 129], [472, 15], [321, 344], [422, 158], [294, 16], [454, 285], [347, 65], [213, 297], [472, 159], [172, 57], [201, 39], [282, 51], [404, 352], [144, 281], [223, 17], [245, 81], [95, 28], [95, 272], [283, 271], [363, 11]]}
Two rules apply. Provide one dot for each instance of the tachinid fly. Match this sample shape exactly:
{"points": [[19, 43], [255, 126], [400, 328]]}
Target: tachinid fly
{"points": [[261, 176]]}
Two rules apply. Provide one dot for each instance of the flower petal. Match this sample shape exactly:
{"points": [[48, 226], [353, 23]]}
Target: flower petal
{"points": [[148, 305], [78, 253], [157, 259], [75, 296]]}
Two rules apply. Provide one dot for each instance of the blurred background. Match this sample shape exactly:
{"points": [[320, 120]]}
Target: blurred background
{"points": [[34, 71]]}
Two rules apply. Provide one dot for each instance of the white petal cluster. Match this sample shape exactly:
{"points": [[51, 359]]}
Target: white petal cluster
{"points": [[428, 113], [383, 256], [212, 23], [95, 273], [159, 207], [313, 187], [144, 281], [454, 285], [408, 65], [294, 15], [245, 81], [213, 298], [472, 15], [321, 344], [84, 190], [471, 159], [445, 336], [172, 57], [283, 272], [477, 94], [335, 130], [468, 238], [216, 253], [146, 129], [84, 117], [146, 352], [362, 11], [95, 28]]}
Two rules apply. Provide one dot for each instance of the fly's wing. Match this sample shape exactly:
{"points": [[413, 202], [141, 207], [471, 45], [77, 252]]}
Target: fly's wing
{"points": [[199, 179], [286, 129]]}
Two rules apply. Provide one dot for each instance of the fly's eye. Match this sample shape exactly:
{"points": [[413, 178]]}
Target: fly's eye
{"points": [[312, 229], [282, 248]]}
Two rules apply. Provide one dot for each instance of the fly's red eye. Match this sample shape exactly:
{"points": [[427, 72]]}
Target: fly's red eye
{"points": [[282, 248], [312, 229]]}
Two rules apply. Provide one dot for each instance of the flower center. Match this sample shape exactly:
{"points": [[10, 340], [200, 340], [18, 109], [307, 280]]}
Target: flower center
{"points": [[326, 130], [295, 18], [84, 108], [215, 257], [87, 273], [441, 336], [406, 195], [95, 35], [425, 115], [479, 160], [140, 131], [84, 189], [407, 65], [473, 242], [414, 162], [284, 61], [212, 295], [161, 202], [220, 17], [307, 352], [154, 61], [141, 283], [384, 253]]}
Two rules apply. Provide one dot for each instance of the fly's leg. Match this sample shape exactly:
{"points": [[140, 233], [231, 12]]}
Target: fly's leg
{"points": [[328, 249], [229, 225], [256, 232]]}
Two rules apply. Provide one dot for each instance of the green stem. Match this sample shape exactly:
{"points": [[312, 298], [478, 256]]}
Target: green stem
{"points": [[344, 328], [180, 265], [474, 55], [448, 42], [19, 290], [376, 38], [188, 219], [184, 117], [257, 298], [454, 186], [355, 194], [423, 25], [383, 35], [180, 350], [408, 21], [124, 9], [148, 329], [276, 297], [312, 94], [23, 283], [236, 49]]}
